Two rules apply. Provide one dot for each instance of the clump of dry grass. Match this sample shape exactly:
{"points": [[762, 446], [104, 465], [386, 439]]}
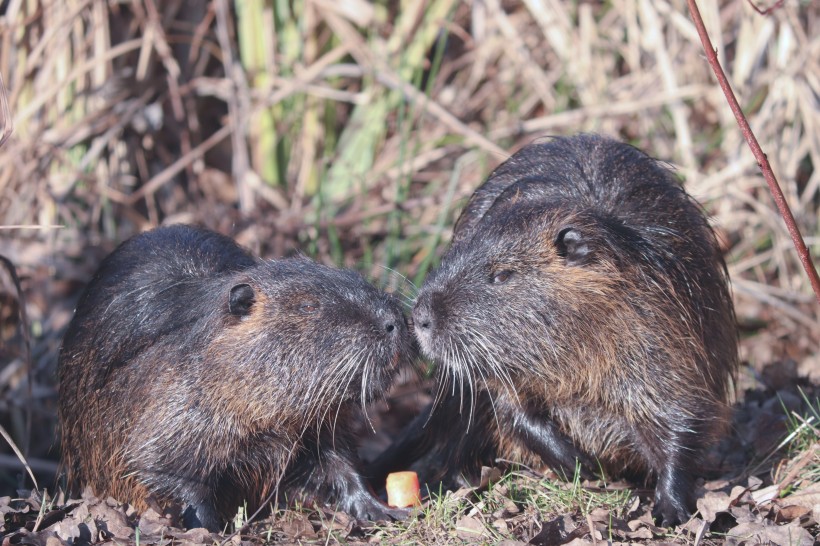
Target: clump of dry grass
{"points": [[353, 132], [337, 127]]}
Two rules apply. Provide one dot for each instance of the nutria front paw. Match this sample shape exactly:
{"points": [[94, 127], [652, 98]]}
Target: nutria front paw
{"points": [[669, 510], [386, 513], [371, 509], [673, 496], [201, 515]]}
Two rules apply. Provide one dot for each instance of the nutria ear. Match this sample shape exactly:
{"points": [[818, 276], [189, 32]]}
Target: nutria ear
{"points": [[241, 300], [572, 246]]}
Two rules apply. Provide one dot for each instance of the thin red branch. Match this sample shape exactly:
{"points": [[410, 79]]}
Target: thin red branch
{"points": [[757, 151], [767, 11]]}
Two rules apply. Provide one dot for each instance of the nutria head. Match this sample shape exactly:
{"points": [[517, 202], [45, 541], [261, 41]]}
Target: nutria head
{"points": [[578, 267], [528, 297], [309, 338]]}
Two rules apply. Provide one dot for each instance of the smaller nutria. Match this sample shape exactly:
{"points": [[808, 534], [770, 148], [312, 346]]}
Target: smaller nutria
{"points": [[207, 378], [582, 312]]}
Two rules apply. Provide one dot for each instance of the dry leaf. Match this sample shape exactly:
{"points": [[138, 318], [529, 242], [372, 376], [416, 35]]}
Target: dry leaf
{"points": [[24, 536], [791, 513], [742, 514], [647, 521], [199, 535], [737, 493], [469, 528], [489, 475], [501, 525], [556, 532], [759, 533], [634, 503], [693, 525], [808, 497], [579, 542], [74, 526], [54, 541], [600, 514], [152, 523], [111, 521], [642, 532], [462, 493], [716, 485], [711, 503], [297, 526], [767, 494]]}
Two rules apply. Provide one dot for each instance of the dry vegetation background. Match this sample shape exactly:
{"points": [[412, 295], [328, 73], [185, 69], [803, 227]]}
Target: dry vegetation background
{"points": [[353, 131]]}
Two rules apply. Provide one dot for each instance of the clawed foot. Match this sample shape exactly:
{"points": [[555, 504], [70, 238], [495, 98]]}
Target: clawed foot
{"points": [[369, 508], [386, 513], [669, 510], [201, 515]]}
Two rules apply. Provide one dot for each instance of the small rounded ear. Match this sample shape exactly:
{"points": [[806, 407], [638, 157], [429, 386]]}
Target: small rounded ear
{"points": [[241, 300], [572, 246]]}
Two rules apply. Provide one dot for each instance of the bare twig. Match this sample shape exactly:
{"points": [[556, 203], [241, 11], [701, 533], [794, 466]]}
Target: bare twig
{"points": [[577, 116], [386, 76], [777, 5], [21, 303], [288, 89], [760, 156], [177, 166], [6, 123], [805, 460], [7, 437]]}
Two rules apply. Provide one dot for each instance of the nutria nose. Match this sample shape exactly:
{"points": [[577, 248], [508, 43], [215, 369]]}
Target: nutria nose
{"points": [[423, 313], [390, 315]]}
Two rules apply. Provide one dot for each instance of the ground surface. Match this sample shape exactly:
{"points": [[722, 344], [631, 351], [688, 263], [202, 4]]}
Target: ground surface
{"points": [[763, 487]]}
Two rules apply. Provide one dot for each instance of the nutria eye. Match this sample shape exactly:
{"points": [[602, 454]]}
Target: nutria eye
{"points": [[309, 307], [502, 277]]}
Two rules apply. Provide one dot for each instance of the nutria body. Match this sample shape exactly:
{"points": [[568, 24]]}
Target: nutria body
{"points": [[582, 312], [205, 377]]}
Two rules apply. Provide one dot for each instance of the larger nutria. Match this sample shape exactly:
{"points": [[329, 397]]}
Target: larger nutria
{"points": [[582, 312], [208, 378]]}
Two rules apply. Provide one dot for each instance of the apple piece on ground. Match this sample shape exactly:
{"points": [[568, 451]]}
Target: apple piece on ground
{"points": [[403, 489]]}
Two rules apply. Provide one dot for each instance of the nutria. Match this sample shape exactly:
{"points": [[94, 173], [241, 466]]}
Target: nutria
{"points": [[206, 378], [582, 315]]}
